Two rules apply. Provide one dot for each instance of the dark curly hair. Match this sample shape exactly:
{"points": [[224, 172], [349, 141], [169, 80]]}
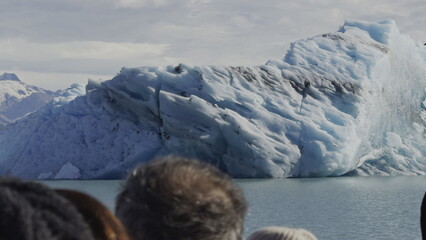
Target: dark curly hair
{"points": [[178, 198], [32, 211]]}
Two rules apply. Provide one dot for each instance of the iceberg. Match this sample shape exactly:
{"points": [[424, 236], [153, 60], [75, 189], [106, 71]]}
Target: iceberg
{"points": [[351, 102]]}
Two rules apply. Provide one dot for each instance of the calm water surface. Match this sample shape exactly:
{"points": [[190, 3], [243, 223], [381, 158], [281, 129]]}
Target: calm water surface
{"points": [[332, 208]]}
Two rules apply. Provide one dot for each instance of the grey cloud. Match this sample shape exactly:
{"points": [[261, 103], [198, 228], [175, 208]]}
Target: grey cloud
{"points": [[197, 31]]}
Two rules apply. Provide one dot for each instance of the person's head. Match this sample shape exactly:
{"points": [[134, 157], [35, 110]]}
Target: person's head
{"points": [[281, 233], [178, 198], [423, 218], [102, 222], [32, 211]]}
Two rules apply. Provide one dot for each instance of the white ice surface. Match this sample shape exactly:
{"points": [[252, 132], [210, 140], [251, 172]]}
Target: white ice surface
{"points": [[349, 102]]}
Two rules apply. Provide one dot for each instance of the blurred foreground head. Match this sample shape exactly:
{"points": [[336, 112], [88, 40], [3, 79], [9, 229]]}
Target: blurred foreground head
{"points": [[32, 211], [181, 199], [281, 233]]}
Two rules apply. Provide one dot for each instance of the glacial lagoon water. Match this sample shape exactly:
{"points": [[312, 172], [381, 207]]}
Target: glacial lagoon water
{"points": [[331, 208]]}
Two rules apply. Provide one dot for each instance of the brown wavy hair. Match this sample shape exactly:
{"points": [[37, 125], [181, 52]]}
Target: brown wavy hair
{"points": [[102, 222]]}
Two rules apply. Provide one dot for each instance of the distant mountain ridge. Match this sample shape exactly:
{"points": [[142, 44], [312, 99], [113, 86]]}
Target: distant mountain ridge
{"points": [[9, 76], [18, 98]]}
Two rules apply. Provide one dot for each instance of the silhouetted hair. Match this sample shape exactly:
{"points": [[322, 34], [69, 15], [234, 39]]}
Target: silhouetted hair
{"points": [[181, 199], [32, 211], [103, 223], [423, 217], [281, 233]]}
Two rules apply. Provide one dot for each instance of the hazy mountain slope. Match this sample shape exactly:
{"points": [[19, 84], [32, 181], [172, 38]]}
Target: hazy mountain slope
{"points": [[18, 99]]}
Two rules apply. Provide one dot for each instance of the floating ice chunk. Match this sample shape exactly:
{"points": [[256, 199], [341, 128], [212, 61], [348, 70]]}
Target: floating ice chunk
{"points": [[68, 171]]}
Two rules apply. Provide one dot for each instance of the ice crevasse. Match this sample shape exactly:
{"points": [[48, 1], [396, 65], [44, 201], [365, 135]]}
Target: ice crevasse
{"points": [[350, 102]]}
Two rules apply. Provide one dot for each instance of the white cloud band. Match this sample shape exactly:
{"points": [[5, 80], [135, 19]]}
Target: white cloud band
{"points": [[19, 49]]}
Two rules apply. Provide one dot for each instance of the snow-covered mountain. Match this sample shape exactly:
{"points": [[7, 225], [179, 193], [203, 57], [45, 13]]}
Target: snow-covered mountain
{"points": [[349, 102], [18, 99]]}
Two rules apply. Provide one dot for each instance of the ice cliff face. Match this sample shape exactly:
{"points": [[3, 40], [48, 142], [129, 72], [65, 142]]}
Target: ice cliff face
{"points": [[18, 99], [350, 102]]}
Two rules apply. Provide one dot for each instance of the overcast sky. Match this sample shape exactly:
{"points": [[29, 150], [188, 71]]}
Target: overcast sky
{"points": [[53, 43]]}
